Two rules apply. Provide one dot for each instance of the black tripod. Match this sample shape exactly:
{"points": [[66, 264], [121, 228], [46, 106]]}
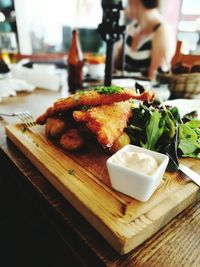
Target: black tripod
{"points": [[110, 31]]}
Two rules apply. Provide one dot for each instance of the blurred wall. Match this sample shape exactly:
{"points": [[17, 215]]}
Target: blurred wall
{"points": [[170, 9], [22, 18], [42, 21]]}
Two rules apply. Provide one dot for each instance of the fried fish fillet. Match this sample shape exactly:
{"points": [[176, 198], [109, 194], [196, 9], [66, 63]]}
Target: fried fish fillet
{"points": [[91, 98], [107, 122]]}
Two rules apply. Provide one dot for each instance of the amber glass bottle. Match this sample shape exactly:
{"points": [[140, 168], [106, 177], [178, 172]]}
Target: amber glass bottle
{"points": [[3, 66], [75, 64]]}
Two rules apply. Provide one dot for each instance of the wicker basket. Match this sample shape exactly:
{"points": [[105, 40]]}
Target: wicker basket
{"points": [[181, 85]]}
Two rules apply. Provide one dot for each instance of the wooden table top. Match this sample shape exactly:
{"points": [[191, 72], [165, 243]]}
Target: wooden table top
{"points": [[177, 244]]}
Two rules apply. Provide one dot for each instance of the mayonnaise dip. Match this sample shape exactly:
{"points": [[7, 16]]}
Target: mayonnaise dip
{"points": [[139, 162]]}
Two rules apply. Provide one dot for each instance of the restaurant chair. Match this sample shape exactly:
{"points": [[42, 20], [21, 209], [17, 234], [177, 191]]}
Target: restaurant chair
{"points": [[185, 59]]}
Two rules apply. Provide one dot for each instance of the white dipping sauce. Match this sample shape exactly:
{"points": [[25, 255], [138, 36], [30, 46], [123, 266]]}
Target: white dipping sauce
{"points": [[138, 162]]}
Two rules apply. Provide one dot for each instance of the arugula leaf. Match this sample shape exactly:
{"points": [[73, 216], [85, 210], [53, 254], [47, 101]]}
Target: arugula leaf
{"points": [[171, 126], [175, 113], [153, 131], [190, 116], [193, 123], [139, 87], [141, 116], [185, 132], [192, 155], [187, 147], [135, 128], [189, 135], [160, 128], [171, 152]]}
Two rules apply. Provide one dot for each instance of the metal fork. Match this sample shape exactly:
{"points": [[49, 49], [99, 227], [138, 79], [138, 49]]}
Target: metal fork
{"points": [[25, 117]]}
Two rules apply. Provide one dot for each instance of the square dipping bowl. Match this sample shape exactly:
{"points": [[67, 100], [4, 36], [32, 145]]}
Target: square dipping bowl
{"points": [[133, 183]]}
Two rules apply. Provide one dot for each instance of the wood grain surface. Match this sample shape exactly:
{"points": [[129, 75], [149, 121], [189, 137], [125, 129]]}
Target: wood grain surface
{"points": [[122, 221], [176, 244]]}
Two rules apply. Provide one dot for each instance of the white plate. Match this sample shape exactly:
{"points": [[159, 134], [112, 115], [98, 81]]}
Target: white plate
{"points": [[185, 105]]}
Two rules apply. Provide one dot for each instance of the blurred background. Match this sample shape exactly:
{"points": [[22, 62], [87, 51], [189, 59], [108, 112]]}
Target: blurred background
{"points": [[33, 27]]}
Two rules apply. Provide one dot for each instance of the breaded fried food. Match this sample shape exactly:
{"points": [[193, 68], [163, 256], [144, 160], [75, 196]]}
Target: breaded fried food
{"points": [[72, 140], [93, 98], [99, 96], [55, 127], [120, 142], [107, 122], [43, 118]]}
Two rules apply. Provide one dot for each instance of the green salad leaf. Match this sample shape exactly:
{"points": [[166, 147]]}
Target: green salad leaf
{"points": [[194, 124], [171, 126], [160, 128], [192, 155], [189, 135], [190, 116], [187, 147], [153, 131]]}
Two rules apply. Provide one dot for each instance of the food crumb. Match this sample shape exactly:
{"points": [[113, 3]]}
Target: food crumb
{"points": [[71, 172], [164, 178], [35, 143], [24, 129]]}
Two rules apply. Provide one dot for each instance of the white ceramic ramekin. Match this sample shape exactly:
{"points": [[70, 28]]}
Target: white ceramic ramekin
{"points": [[133, 183]]}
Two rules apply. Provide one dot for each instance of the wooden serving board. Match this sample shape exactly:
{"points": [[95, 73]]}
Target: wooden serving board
{"points": [[123, 221]]}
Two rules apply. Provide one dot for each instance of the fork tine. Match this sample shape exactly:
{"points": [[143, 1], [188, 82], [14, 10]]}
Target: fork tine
{"points": [[30, 118], [26, 118], [21, 117]]}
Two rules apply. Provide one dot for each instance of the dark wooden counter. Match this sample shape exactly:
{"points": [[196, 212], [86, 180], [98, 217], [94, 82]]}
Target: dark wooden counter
{"points": [[76, 243]]}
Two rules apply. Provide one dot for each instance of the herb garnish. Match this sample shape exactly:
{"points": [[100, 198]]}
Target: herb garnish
{"points": [[85, 108], [78, 94], [108, 90], [81, 92], [71, 172]]}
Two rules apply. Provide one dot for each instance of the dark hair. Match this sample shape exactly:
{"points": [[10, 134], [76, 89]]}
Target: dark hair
{"points": [[150, 3]]}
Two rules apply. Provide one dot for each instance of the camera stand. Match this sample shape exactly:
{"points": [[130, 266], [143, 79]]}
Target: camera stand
{"points": [[110, 32]]}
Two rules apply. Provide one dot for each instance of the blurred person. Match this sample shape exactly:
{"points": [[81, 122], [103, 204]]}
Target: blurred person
{"points": [[149, 41]]}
